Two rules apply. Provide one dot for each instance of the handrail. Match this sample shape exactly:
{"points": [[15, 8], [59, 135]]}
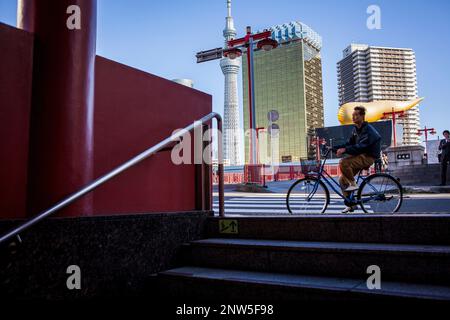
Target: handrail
{"points": [[128, 164]]}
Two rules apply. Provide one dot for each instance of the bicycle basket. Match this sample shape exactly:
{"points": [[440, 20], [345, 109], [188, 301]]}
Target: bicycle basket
{"points": [[308, 166]]}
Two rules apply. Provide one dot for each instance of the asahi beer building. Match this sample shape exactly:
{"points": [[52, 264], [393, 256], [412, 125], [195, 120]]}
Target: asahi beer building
{"points": [[288, 79]]}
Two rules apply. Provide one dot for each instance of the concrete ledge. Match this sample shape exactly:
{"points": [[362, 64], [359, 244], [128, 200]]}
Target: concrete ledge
{"points": [[389, 228], [116, 254], [408, 263], [426, 189], [419, 175], [227, 285]]}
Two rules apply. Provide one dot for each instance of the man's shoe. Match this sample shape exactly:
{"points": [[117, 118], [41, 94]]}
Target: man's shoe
{"points": [[352, 188], [349, 209]]}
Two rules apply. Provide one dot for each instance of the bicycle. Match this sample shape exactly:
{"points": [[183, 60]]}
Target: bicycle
{"points": [[378, 192]]}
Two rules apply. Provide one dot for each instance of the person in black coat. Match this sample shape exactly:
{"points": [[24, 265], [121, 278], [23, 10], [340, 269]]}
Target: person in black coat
{"points": [[363, 148], [444, 147]]}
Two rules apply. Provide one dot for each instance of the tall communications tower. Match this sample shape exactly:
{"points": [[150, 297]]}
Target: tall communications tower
{"points": [[230, 69]]}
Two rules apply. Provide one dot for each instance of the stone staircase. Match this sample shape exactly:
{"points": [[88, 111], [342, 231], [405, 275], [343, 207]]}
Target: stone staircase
{"points": [[315, 258], [420, 174]]}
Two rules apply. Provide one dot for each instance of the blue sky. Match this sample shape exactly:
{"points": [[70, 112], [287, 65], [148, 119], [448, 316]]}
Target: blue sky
{"points": [[162, 37]]}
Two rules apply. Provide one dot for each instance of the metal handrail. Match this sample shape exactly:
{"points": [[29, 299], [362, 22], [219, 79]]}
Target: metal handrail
{"points": [[128, 164]]}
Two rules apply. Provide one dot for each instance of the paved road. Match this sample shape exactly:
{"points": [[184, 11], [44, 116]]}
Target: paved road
{"points": [[240, 203], [273, 204]]}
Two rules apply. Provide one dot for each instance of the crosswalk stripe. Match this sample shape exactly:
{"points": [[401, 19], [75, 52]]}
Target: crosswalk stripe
{"points": [[276, 200], [275, 195], [276, 204], [284, 196], [285, 211]]}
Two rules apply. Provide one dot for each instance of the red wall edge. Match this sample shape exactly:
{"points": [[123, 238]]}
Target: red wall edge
{"points": [[61, 140]]}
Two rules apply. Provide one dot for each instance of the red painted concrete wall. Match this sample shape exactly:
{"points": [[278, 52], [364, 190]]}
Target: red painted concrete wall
{"points": [[135, 110], [16, 62]]}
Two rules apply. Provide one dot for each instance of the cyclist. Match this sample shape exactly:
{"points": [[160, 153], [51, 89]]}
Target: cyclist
{"points": [[363, 148]]}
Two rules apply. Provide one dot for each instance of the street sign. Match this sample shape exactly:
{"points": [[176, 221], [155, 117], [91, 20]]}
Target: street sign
{"points": [[274, 129], [403, 156], [286, 159], [228, 226], [209, 55], [273, 115]]}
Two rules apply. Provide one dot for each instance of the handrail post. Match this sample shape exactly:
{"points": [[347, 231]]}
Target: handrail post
{"points": [[207, 182], [220, 166]]}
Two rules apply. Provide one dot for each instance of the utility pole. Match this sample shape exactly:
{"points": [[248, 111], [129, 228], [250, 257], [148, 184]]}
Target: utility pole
{"points": [[426, 130], [394, 114]]}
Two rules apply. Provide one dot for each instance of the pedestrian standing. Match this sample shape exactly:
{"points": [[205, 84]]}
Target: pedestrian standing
{"points": [[444, 147]]}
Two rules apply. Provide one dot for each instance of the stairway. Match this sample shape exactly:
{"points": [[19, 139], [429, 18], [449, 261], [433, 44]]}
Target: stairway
{"points": [[419, 175], [316, 258]]}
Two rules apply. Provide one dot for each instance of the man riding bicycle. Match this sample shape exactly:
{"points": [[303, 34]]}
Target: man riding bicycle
{"points": [[363, 148]]}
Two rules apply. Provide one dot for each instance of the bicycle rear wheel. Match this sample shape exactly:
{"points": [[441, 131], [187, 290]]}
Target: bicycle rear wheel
{"points": [[380, 193], [306, 196]]}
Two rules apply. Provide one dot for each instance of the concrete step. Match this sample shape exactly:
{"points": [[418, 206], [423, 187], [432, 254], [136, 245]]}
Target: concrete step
{"points": [[418, 172], [221, 285], [427, 189], [398, 262], [421, 173], [367, 228], [418, 176]]}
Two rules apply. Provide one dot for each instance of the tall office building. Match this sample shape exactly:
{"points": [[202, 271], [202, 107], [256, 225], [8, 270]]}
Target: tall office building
{"points": [[368, 73], [288, 79], [230, 68]]}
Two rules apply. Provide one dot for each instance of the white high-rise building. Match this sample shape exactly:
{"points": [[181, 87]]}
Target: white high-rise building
{"points": [[368, 73], [185, 82], [230, 68]]}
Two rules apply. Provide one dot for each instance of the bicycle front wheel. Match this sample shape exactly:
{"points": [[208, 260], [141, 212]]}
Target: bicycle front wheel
{"points": [[307, 196], [380, 193]]}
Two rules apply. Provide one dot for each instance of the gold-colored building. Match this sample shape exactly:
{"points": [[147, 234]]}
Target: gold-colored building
{"points": [[288, 79]]}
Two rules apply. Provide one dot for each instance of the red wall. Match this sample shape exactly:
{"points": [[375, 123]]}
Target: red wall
{"points": [[135, 110], [16, 56]]}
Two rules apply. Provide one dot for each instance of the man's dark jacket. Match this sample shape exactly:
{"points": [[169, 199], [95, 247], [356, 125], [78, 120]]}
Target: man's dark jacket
{"points": [[445, 147], [365, 140]]}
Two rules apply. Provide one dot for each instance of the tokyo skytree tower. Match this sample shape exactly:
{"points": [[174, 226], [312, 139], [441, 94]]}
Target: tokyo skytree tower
{"points": [[230, 69]]}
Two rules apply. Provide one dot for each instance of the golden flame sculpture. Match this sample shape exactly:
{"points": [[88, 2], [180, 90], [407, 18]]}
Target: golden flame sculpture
{"points": [[374, 109]]}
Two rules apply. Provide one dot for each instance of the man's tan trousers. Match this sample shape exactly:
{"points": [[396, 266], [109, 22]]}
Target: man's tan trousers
{"points": [[350, 166]]}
